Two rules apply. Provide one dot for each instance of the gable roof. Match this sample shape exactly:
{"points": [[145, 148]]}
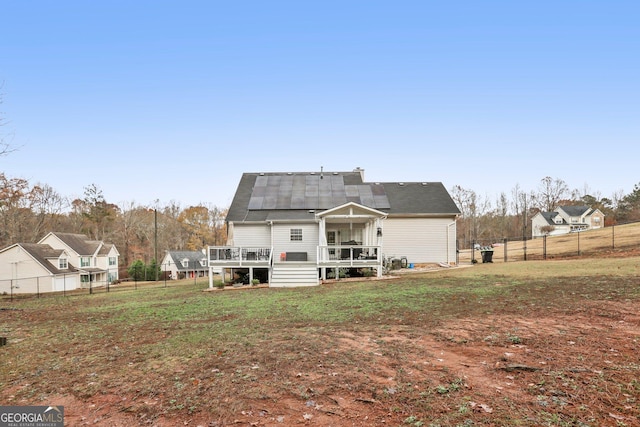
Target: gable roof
{"points": [[194, 258], [575, 210], [550, 217], [79, 243], [300, 195], [42, 254]]}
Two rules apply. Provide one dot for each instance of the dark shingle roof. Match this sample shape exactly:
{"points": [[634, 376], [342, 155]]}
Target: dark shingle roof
{"points": [[79, 243], [297, 196], [43, 253], [575, 210], [194, 258], [550, 217]]}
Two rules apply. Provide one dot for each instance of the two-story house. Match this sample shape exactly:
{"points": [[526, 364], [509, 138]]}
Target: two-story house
{"points": [[566, 219], [96, 261], [31, 268], [298, 228]]}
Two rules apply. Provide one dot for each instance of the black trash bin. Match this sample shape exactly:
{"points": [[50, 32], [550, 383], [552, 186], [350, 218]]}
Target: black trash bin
{"points": [[487, 255]]}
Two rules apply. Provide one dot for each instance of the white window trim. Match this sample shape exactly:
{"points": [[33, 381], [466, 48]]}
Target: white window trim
{"points": [[295, 234]]}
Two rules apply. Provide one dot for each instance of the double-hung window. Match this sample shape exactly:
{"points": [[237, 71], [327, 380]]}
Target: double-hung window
{"points": [[296, 234]]}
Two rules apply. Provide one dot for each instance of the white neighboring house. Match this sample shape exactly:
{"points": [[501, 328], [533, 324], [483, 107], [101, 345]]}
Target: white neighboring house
{"points": [[185, 264], [296, 229], [566, 219], [96, 261], [30, 268]]}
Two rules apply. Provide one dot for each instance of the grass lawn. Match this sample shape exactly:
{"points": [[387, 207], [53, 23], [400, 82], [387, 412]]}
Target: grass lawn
{"points": [[537, 343]]}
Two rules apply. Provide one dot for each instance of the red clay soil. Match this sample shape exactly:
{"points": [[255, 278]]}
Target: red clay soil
{"points": [[532, 365]]}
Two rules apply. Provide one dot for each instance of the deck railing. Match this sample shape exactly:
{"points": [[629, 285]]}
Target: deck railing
{"points": [[220, 255], [335, 255], [352, 256]]}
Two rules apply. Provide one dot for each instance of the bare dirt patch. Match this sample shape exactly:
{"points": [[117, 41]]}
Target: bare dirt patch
{"points": [[520, 359]]}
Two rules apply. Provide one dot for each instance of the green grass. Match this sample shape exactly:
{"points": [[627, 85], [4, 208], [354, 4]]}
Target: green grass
{"points": [[162, 341]]}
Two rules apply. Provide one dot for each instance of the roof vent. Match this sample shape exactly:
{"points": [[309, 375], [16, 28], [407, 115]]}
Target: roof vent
{"points": [[425, 184], [401, 184], [261, 173], [289, 173], [312, 173]]}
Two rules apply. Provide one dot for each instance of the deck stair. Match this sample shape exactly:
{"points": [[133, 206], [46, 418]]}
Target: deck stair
{"points": [[290, 274]]}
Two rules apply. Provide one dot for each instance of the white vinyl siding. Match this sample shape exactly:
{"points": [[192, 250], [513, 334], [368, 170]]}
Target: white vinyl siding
{"points": [[282, 240], [65, 283], [420, 240], [253, 236]]}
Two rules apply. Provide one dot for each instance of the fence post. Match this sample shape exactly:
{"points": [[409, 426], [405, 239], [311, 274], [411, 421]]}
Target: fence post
{"points": [[544, 247], [38, 286], [473, 251], [504, 245], [524, 246], [578, 233], [613, 237]]}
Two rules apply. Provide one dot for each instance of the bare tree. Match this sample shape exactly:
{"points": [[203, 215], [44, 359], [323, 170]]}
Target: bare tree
{"points": [[5, 147], [551, 192], [47, 207]]}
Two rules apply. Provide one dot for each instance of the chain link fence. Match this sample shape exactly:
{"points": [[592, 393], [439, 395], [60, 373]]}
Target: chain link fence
{"points": [[583, 243], [70, 284]]}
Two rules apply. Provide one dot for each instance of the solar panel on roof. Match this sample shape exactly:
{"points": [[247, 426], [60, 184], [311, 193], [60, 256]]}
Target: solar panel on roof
{"points": [[351, 191], [255, 203], [261, 181], [310, 192], [297, 202], [269, 202], [325, 202], [381, 202]]}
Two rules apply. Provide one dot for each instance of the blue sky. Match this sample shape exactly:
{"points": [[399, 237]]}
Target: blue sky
{"points": [[172, 101]]}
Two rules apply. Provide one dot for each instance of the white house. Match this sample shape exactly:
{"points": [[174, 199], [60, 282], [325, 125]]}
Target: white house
{"points": [[185, 264], [30, 268], [96, 261], [566, 219], [295, 229]]}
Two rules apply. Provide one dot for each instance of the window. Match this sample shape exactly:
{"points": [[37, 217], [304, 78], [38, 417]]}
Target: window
{"points": [[85, 261], [185, 263], [112, 260], [596, 219], [63, 264], [203, 262], [296, 234]]}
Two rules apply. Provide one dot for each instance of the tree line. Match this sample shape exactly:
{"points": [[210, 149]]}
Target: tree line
{"points": [[140, 233], [489, 220]]}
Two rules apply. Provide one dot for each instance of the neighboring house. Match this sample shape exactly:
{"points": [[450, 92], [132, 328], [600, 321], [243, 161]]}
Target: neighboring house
{"points": [[36, 268], [294, 229], [185, 264], [97, 261], [566, 219]]}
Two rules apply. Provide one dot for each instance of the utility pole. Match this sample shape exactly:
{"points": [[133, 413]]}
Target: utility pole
{"points": [[155, 244], [524, 228]]}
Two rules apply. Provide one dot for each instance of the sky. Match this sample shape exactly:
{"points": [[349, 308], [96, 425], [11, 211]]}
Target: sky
{"points": [[171, 101]]}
